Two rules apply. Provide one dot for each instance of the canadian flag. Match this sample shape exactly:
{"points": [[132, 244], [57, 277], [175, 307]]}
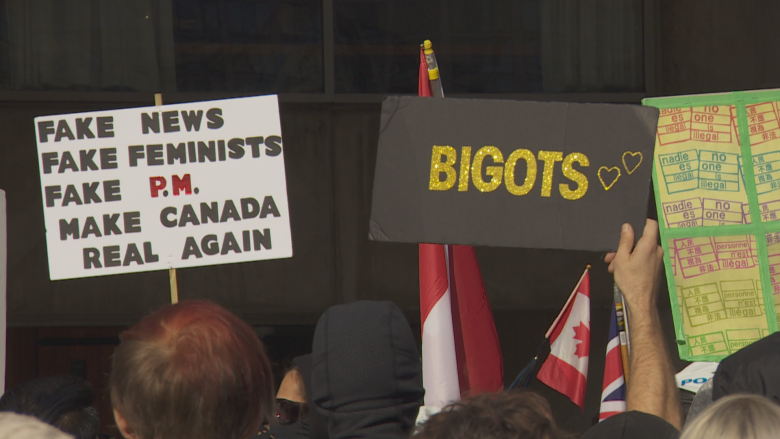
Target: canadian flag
{"points": [[566, 368]]}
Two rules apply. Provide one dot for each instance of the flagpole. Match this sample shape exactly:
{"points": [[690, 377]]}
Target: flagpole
{"points": [[628, 332], [571, 297], [525, 375], [477, 353], [433, 70], [439, 351], [437, 91], [622, 324]]}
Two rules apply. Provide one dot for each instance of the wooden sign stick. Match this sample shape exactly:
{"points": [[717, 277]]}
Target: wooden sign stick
{"points": [[171, 271], [622, 323]]}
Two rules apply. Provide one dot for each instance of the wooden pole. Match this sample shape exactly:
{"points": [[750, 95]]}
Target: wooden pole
{"points": [[622, 323], [174, 285], [172, 271]]}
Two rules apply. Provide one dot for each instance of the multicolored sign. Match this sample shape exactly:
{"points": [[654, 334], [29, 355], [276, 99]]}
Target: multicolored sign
{"points": [[717, 184]]}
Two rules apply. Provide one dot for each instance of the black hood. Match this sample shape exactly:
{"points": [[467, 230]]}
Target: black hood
{"points": [[315, 425], [367, 376], [753, 369]]}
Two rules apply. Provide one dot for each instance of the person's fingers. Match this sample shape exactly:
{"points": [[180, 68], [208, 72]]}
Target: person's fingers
{"points": [[649, 237], [626, 241], [609, 257]]}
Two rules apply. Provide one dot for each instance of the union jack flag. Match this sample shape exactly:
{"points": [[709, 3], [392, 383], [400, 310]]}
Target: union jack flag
{"points": [[613, 394]]}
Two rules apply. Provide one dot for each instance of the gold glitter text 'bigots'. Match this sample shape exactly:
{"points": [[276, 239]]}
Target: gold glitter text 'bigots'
{"points": [[488, 170]]}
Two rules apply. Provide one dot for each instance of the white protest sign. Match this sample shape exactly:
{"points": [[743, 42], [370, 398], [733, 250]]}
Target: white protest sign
{"points": [[151, 188]]}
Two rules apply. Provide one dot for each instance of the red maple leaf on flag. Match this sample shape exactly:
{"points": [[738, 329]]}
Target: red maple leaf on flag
{"points": [[582, 333]]}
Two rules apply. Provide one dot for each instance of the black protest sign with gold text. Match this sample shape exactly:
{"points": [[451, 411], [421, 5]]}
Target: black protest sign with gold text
{"points": [[511, 174]]}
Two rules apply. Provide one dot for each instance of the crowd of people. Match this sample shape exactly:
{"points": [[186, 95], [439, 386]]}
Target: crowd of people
{"points": [[194, 370]]}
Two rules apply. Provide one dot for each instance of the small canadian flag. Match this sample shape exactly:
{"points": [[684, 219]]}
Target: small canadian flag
{"points": [[566, 368]]}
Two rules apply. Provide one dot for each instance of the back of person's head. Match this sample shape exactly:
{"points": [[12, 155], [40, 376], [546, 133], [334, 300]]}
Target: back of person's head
{"points": [[519, 414], [62, 401], [16, 426], [191, 370], [736, 417], [752, 369], [366, 371]]}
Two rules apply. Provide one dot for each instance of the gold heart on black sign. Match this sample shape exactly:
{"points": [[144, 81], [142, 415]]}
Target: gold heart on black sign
{"points": [[608, 172], [632, 158]]}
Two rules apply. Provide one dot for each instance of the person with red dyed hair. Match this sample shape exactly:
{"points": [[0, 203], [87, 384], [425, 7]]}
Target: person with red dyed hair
{"points": [[191, 370]]}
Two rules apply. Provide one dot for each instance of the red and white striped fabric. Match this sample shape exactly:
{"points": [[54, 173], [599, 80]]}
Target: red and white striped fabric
{"points": [[566, 368], [461, 352], [440, 365]]}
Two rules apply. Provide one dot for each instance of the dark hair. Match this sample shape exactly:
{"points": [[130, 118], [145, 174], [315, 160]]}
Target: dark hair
{"points": [[518, 414], [192, 370], [62, 401]]}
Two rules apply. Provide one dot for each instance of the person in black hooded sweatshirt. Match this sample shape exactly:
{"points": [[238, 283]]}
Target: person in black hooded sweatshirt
{"points": [[367, 375]]}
